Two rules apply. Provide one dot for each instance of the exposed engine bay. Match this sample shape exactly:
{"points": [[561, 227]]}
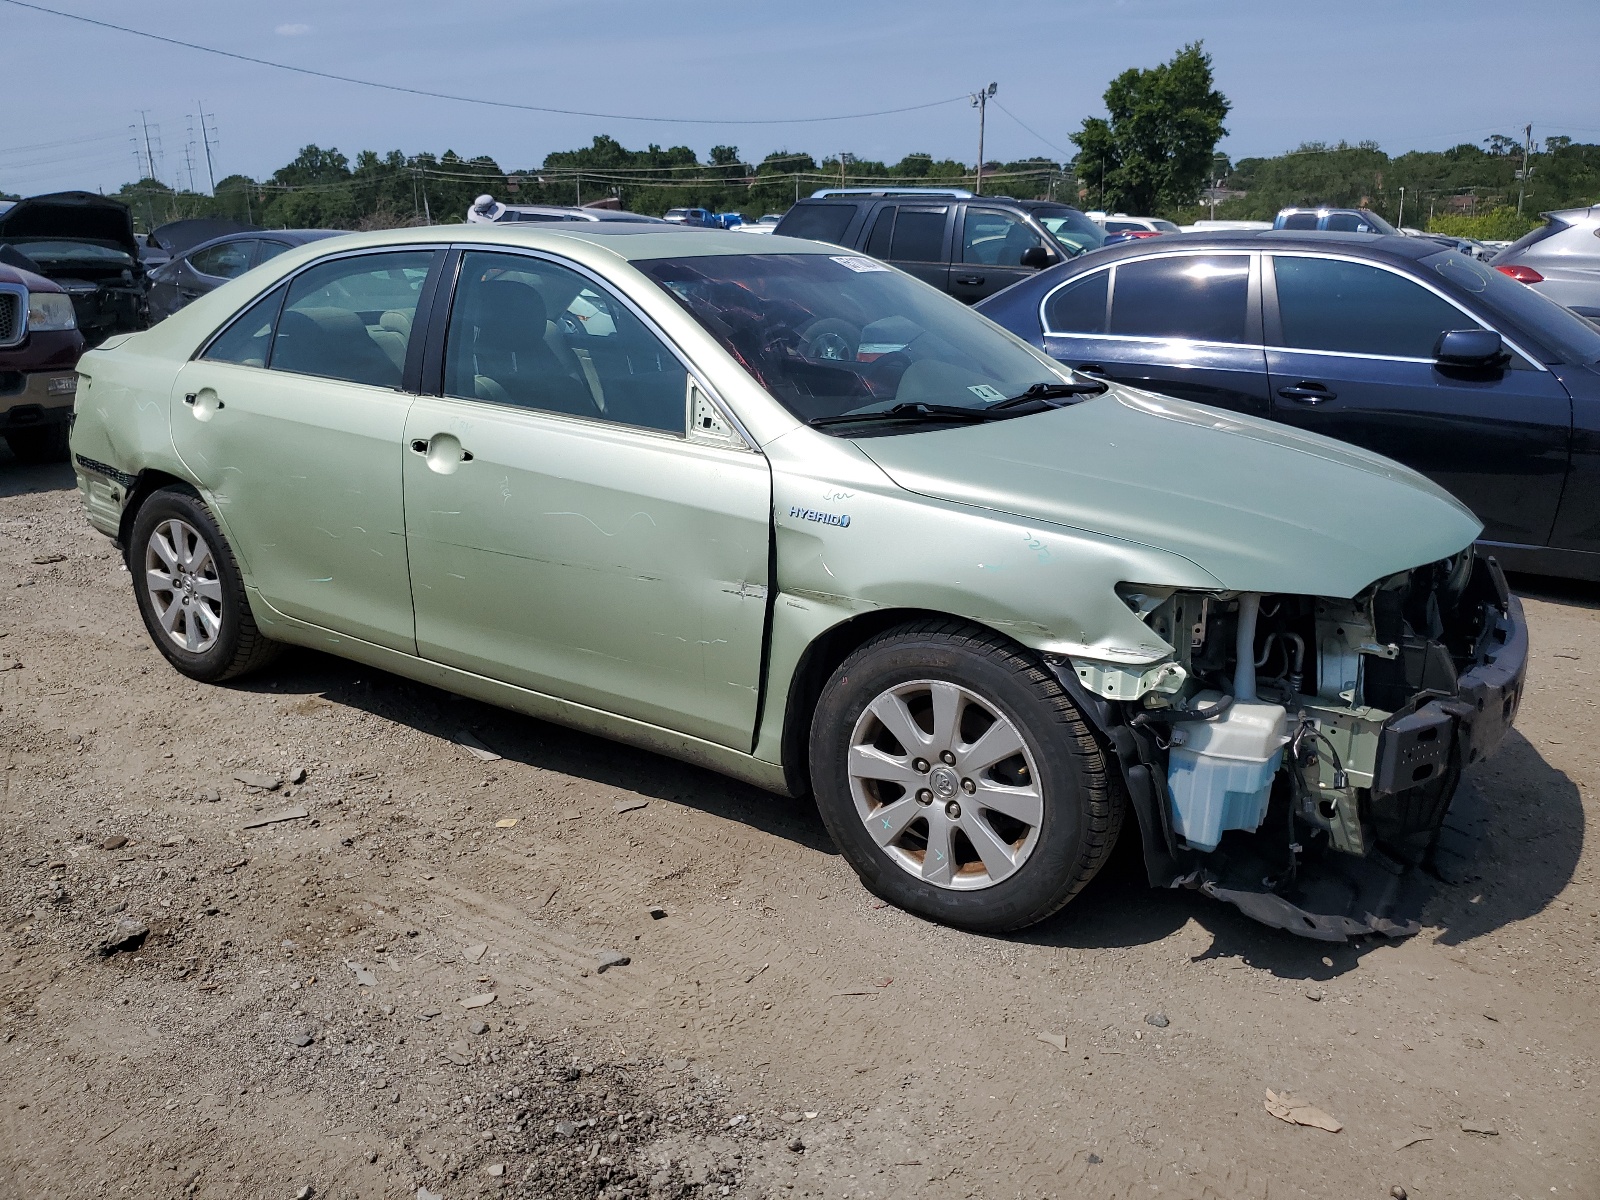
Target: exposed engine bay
{"points": [[85, 243], [1290, 740]]}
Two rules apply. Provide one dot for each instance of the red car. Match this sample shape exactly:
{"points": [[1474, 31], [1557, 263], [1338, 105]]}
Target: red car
{"points": [[39, 349]]}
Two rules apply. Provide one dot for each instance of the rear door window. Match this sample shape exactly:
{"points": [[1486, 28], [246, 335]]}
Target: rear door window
{"points": [[919, 235], [1079, 306], [351, 318], [819, 222], [1195, 297], [224, 261], [249, 339], [1356, 308]]}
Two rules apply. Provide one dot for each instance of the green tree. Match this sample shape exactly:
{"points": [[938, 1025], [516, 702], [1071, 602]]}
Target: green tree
{"points": [[1154, 152]]}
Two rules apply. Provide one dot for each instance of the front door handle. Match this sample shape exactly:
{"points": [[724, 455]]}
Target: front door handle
{"points": [[1308, 393], [205, 403], [970, 280]]}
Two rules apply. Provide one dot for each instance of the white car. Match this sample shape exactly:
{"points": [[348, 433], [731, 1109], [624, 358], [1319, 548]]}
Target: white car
{"points": [[1123, 223], [766, 224], [486, 210]]}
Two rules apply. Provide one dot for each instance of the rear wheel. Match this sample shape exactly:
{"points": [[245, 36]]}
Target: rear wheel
{"points": [[190, 591], [958, 778], [39, 443]]}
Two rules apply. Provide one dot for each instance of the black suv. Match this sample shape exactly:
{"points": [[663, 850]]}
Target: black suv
{"points": [[969, 246]]}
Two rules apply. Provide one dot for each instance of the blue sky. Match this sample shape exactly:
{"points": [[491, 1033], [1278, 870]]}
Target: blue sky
{"points": [[1410, 74]]}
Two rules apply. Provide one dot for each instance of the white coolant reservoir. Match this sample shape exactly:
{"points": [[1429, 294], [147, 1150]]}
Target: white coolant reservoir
{"points": [[1219, 772]]}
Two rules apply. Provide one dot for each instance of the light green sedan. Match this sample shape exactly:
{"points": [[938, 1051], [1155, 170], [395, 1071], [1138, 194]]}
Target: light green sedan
{"points": [[795, 516]]}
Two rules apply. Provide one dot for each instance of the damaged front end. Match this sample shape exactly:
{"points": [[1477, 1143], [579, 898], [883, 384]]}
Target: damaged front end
{"points": [[85, 243], [1296, 755]]}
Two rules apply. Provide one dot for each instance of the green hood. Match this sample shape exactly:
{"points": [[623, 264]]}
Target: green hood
{"points": [[1261, 507]]}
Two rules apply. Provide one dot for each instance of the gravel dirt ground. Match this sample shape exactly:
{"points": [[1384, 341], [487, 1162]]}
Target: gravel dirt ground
{"points": [[295, 1020]]}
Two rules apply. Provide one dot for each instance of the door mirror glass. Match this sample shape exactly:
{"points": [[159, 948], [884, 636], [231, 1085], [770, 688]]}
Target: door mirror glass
{"points": [[1037, 257], [1470, 348]]}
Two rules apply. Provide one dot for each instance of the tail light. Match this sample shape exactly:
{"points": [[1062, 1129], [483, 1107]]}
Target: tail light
{"points": [[1521, 274]]}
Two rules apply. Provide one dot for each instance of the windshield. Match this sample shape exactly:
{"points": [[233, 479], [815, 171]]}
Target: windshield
{"points": [[1071, 228], [1559, 328], [833, 334]]}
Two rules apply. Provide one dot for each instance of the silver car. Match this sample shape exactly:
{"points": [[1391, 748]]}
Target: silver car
{"points": [[1561, 259]]}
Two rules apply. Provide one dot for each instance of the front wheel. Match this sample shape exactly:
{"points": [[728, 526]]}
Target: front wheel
{"points": [[959, 780], [190, 592]]}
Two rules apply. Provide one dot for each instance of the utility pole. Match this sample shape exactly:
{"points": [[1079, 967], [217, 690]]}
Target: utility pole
{"points": [[577, 190], [980, 101], [1522, 184], [208, 139], [149, 157], [1402, 219]]}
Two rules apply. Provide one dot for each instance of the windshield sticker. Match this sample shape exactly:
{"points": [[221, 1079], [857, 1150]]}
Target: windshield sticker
{"points": [[984, 392], [858, 264]]}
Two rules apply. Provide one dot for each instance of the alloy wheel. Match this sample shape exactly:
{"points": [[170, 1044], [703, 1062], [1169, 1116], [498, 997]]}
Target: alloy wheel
{"points": [[181, 579], [945, 784]]}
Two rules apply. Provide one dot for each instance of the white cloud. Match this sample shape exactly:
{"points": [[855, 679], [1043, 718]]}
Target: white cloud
{"points": [[292, 30]]}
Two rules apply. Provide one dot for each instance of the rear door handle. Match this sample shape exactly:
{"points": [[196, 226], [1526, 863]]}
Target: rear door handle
{"points": [[972, 280], [443, 452], [1308, 393]]}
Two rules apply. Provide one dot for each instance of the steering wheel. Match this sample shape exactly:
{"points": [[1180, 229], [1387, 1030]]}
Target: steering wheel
{"points": [[831, 340]]}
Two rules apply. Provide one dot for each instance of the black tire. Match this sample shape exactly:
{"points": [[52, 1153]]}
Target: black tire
{"points": [[39, 443], [1081, 810], [239, 647]]}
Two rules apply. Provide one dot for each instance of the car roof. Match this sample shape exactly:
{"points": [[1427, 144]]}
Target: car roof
{"points": [[295, 237], [621, 239], [1377, 244]]}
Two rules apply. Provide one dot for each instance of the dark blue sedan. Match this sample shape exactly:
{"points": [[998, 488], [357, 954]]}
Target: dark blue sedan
{"points": [[209, 265], [1392, 343]]}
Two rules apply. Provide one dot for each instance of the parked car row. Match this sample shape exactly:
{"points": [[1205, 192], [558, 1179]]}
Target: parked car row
{"points": [[792, 515], [969, 246], [1413, 351]]}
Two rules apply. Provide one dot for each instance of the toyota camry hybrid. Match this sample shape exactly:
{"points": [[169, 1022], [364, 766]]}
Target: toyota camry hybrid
{"points": [[798, 517]]}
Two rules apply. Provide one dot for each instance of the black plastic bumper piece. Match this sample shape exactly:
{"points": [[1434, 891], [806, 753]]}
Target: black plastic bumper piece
{"points": [[1415, 747]]}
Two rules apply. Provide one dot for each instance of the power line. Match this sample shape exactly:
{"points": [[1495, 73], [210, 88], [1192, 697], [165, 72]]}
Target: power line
{"points": [[394, 87], [1064, 153]]}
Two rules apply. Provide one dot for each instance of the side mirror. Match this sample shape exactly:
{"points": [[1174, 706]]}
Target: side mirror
{"points": [[1038, 257], [1471, 348]]}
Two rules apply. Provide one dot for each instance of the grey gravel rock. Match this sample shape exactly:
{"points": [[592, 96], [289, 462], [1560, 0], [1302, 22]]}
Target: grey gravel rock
{"points": [[302, 1040], [126, 935], [1158, 1019], [610, 958], [477, 1027], [259, 780]]}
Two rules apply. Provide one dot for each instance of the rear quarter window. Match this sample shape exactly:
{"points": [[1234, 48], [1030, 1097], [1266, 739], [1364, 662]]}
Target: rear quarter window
{"points": [[819, 222]]}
